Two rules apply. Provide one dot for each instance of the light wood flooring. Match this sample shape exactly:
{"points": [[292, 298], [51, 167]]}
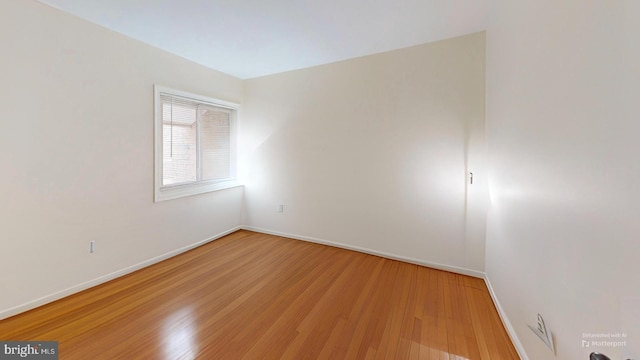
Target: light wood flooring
{"points": [[256, 296]]}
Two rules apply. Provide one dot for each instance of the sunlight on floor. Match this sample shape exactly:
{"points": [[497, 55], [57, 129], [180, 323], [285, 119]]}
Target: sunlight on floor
{"points": [[434, 353], [179, 335]]}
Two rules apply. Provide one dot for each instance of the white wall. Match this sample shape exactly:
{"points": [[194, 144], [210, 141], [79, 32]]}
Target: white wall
{"points": [[76, 148], [562, 115], [373, 152]]}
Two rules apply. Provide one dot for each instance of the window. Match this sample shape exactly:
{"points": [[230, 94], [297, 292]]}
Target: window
{"points": [[194, 144]]}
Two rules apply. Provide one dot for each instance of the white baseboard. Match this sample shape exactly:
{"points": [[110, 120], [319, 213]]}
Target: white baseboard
{"points": [[102, 279], [453, 269], [506, 323]]}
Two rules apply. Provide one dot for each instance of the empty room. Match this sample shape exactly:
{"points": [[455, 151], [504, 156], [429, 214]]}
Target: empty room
{"points": [[207, 179]]}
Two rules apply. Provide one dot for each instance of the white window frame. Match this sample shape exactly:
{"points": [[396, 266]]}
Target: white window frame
{"points": [[174, 191]]}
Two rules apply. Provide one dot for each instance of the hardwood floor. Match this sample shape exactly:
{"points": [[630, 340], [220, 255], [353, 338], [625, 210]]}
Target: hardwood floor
{"points": [[256, 296]]}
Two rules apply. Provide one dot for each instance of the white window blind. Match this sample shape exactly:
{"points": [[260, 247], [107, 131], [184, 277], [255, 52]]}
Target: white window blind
{"points": [[196, 141], [179, 140]]}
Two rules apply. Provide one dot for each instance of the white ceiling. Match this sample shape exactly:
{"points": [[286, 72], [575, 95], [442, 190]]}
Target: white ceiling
{"points": [[250, 38]]}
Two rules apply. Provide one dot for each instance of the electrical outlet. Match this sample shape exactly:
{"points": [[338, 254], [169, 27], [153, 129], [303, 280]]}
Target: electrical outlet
{"points": [[281, 208], [543, 333], [92, 246]]}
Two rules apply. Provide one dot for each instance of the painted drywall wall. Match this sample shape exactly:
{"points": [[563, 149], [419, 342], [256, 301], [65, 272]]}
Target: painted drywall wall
{"points": [[562, 119], [76, 148], [373, 152]]}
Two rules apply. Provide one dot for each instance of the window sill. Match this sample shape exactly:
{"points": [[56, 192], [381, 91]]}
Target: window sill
{"points": [[179, 191]]}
